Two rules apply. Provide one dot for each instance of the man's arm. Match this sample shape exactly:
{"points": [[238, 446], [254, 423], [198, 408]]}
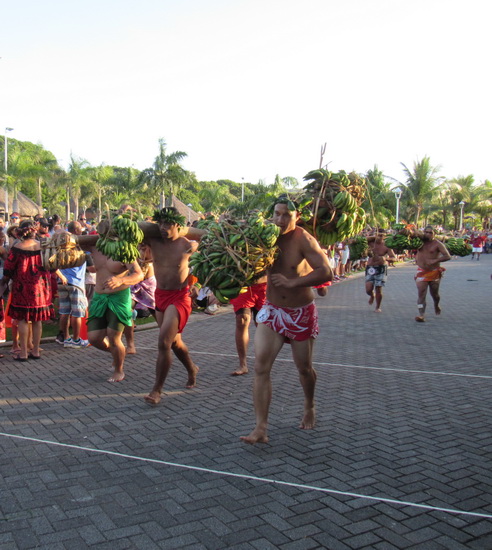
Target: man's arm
{"points": [[317, 260], [445, 255], [131, 277], [151, 231]]}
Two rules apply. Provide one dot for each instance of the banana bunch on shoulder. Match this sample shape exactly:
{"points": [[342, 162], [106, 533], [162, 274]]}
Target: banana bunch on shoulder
{"points": [[121, 239], [458, 247], [233, 255], [337, 214], [358, 248]]}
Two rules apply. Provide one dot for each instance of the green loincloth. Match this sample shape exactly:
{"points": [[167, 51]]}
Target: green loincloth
{"points": [[120, 303]]}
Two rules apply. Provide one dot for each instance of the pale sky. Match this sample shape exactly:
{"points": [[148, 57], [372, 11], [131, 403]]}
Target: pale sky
{"points": [[252, 88]]}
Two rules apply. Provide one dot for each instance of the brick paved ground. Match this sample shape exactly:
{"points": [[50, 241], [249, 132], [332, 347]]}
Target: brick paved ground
{"points": [[404, 417]]}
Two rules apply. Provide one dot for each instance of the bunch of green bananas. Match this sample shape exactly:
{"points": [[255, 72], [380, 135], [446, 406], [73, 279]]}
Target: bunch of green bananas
{"points": [[120, 241], [458, 247], [358, 248], [415, 243], [336, 199], [232, 255], [399, 243]]}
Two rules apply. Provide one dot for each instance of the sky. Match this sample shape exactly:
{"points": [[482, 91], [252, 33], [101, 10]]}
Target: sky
{"points": [[252, 88]]}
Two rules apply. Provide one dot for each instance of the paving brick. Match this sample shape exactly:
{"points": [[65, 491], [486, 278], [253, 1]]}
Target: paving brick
{"points": [[391, 423]]}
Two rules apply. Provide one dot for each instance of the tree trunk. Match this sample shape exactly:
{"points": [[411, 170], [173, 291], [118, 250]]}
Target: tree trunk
{"points": [[40, 194], [67, 210], [99, 202]]}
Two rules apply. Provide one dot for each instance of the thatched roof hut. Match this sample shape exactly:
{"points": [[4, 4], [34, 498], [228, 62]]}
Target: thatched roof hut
{"points": [[27, 207], [185, 210]]}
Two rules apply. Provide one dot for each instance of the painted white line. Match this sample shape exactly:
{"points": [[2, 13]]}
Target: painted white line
{"points": [[390, 369], [252, 478]]}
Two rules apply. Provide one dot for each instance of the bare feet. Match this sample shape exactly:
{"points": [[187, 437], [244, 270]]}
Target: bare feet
{"points": [[117, 377], [378, 310], [437, 309], [309, 420], [131, 350], [154, 398], [240, 371], [420, 319], [371, 300], [192, 377], [256, 436]]}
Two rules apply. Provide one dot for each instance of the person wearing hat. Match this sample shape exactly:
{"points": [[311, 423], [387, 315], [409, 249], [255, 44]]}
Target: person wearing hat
{"points": [[15, 218], [43, 232]]}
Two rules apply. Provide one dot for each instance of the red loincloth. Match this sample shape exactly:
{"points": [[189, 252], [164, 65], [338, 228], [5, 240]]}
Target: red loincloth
{"points": [[180, 299]]}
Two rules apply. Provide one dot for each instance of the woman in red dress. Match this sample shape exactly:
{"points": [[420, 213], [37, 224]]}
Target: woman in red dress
{"points": [[31, 289]]}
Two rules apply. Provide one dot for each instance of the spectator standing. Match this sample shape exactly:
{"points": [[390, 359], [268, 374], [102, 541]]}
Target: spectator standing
{"points": [[31, 292]]}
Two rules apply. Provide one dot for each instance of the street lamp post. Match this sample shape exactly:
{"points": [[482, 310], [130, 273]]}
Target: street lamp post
{"points": [[189, 213], [5, 165], [242, 190], [462, 205], [397, 191]]}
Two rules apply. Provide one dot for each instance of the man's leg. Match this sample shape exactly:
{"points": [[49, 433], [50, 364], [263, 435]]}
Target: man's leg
{"points": [[117, 350], [64, 326], [421, 302], [370, 292], [168, 322], [243, 319], [302, 353], [379, 298], [434, 292], [130, 339], [76, 324], [180, 349], [267, 345]]}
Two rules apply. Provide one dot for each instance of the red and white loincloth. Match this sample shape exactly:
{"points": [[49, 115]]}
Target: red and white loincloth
{"points": [[294, 323]]}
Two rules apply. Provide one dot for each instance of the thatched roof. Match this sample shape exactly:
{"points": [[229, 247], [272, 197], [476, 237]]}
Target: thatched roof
{"points": [[27, 207], [185, 210]]}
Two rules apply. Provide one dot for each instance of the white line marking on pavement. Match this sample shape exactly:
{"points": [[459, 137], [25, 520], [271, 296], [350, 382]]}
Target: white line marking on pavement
{"points": [[390, 369], [252, 478]]}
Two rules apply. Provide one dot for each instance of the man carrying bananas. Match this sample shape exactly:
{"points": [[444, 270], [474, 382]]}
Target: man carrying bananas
{"points": [[377, 267], [171, 250], [289, 314], [429, 270], [111, 307]]}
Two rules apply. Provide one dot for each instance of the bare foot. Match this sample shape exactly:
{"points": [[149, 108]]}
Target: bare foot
{"points": [[154, 398], [371, 300], [131, 350], [240, 371], [192, 377], [309, 420], [256, 436], [117, 377], [378, 310], [437, 309], [420, 319]]}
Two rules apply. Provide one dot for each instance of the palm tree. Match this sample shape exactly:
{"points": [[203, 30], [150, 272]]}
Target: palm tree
{"points": [[77, 175], [379, 203], [167, 175], [420, 186]]}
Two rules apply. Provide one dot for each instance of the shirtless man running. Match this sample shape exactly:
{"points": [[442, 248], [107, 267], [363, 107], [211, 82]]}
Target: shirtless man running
{"points": [[429, 272], [289, 313], [111, 307], [377, 268], [171, 251]]}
